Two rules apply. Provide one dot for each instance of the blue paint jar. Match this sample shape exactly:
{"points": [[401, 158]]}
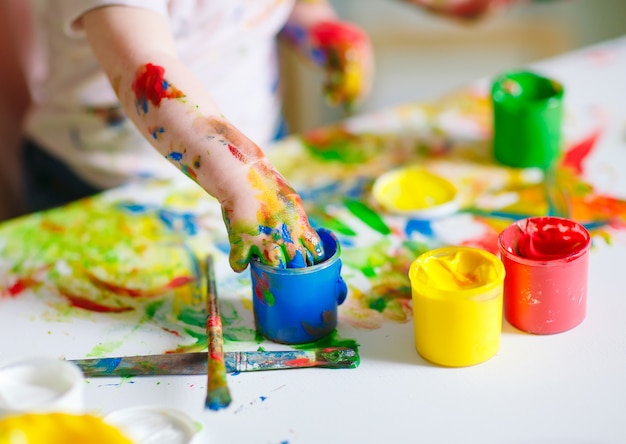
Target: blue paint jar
{"points": [[299, 305]]}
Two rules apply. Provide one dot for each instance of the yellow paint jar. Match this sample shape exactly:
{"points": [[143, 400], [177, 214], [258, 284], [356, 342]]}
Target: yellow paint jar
{"points": [[415, 192], [457, 305]]}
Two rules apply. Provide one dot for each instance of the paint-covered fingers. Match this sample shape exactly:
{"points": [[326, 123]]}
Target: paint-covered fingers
{"points": [[345, 52], [311, 246], [282, 247]]}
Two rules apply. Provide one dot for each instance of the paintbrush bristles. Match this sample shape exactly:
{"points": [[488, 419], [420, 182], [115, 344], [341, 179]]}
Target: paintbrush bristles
{"points": [[218, 394], [338, 357]]}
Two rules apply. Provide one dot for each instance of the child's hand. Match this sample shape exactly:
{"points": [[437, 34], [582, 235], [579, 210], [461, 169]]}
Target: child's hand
{"points": [[345, 53], [268, 221]]}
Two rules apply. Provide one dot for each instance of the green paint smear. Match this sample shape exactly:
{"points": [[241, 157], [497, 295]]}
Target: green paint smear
{"points": [[367, 216], [369, 271], [332, 340], [335, 149], [192, 317], [415, 248], [153, 307], [367, 258], [200, 337], [104, 348], [378, 304], [240, 334], [228, 312], [269, 297], [332, 224]]}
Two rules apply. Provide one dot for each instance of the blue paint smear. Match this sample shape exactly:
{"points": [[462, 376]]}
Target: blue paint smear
{"points": [[156, 132], [318, 56], [132, 207], [109, 364], [175, 156], [142, 105], [346, 241], [223, 246], [286, 235], [263, 229], [421, 226], [174, 221], [297, 261]]}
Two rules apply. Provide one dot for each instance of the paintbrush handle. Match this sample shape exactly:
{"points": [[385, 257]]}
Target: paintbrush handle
{"points": [[264, 360], [218, 394]]}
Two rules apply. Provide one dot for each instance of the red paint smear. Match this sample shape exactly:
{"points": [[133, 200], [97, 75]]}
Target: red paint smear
{"points": [[261, 286], [87, 304], [19, 286], [575, 156], [191, 173], [216, 356], [237, 154], [150, 84], [139, 292], [174, 332], [300, 362], [337, 33], [49, 226], [214, 321], [599, 207], [469, 9]]}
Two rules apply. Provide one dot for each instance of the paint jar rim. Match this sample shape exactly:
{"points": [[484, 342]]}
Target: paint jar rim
{"points": [[504, 98], [507, 251], [327, 262], [467, 293]]}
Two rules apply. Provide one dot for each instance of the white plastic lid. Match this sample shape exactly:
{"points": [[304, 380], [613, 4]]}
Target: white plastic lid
{"points": [[41, 385], [153, 425]]}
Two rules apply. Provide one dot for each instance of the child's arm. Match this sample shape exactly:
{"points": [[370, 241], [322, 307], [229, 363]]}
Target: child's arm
{"points": [[342, 49], [263, 214]]}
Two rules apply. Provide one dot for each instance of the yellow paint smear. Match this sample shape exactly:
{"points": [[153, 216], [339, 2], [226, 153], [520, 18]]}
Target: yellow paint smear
{"points": [[58, 428]]}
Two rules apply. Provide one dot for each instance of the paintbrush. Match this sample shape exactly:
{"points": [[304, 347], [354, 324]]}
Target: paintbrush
{"points": [[197, 363], [218, 393]]}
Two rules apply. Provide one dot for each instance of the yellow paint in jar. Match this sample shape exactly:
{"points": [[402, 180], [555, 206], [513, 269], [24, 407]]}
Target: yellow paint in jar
{"points": [[58, 428], [457, 305], [415, 191]]}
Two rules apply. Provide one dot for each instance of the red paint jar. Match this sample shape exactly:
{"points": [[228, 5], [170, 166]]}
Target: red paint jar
{"points": [[546, 261]]}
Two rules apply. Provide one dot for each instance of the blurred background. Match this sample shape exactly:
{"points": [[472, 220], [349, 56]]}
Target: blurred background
{"points": [[420, 56]]}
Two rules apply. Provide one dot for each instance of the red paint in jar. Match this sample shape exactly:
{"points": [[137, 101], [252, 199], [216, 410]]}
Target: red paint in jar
{"points": [[546, 261]]}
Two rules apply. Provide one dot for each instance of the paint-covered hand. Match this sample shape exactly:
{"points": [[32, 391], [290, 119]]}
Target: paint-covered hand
{"points": [[345, 52], [269, 222]]}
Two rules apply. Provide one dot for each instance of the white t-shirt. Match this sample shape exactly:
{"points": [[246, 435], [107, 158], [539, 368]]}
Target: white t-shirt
{"points": [[229, 44]]}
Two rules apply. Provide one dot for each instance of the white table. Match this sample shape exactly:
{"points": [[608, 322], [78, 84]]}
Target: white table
{"points": [[567, 388]]}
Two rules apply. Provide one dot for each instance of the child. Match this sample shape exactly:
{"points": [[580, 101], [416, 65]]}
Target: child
{"points": [[198, 81]]}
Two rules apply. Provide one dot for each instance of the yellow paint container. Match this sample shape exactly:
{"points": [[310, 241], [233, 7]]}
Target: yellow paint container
{"points": [[413, 191], [457, 305]]}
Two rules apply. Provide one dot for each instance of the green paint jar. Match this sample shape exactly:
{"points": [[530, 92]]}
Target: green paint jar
{"points": [[527, 119]]}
